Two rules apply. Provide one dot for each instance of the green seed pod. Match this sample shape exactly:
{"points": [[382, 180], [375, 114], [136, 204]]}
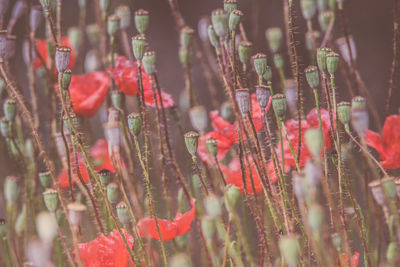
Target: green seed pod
{"points": [[113, 24], [279, 106], [315, 218], [231, 196], [391, 253], [124, 13], [336, 241], [142, 18], [308, 8], [149, 62], [263, 94], [309, 39], [185, 56], [123, 213], [20, 223], [234, 19], [134, 123], [186, 37], [212, 36], [321, 57], [289, 248], [312, 76], [227, 111], [5, 128], [213, 206], [343, 110], [324, 19], [46, 226], [10, 109], [104, 4], [358, 102], [274, 38], [62, 57], [66, 79], [139, 46], [180, 260], [11, 189], [220, 21], [117, 99], [75, 37], [45, 179], [260, 63], [112, 193], [199, 118], [3, 228], [76, 210], [245, 50], [314, 141], [243, 99], [50, 197], [208, 227], [212, 146], [278, 61], [105, 177], [230, 5], [332, 62], [192, 141]]}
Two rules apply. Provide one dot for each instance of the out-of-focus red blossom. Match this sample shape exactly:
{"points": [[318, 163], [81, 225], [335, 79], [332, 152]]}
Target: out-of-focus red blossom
{"points": [[387, 145], [125, 75], [100, 155], [63, 178], [41, 46], [168, 229], [292, 128], [88, 92], [106, 251], [353, 261]]}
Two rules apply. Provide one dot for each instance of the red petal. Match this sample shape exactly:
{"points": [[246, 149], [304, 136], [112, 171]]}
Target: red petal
{"points": [[167, 99], [224, 144], [183, 221], [63, 178], [100, 155], [391, 130], [374, 140], [354, 259]]}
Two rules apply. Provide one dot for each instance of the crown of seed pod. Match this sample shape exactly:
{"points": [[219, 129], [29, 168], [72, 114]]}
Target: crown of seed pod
{"points": [[358, 102], [325, 19], [309, 36], [3, 228], [359, 119], [245, 50], [230, 5], [312, 76], [314, 141], [278, 61], [192, 141], [5, 128], [212, 146], [117, 99], [62, 57], [243, 99], [290, 248], [134, 123], [234, 19], [308, 8], [185, 56], [260, 63], [213, 206], [220, 21], [343, 110], [274, 38], [268, 74], [104, 176], [332, 62], [279, 106], [113, 24], [76, 210], [45, 179], [186, 36], [344, 49], [213, 37], [124, 13], [142, 18], [50, 197], [10, 109], [321, 57], [208, 227], [112, 193], [149, 62], [199, 118], [139, 46], [3, 44], [263, 94], [104, 4], [123, 213]]}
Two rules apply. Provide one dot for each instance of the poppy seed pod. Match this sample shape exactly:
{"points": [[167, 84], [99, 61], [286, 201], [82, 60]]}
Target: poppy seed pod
{"points": [[104, 4], [123, 213], [208, 227], [113, 24], [198, 118], [332, 62], [134, 123], [62, 57], [278, 61], [260, 63], [234, 19], [142, 18], [46, 4], [231, 196], [220, 21], [230, 5], [358, 102], [289, 248], [344, 49], [202, 28], [321, 57], [212, 36], [312, 76], [117, 99], [76, 210], [343, 110], [3, 44], [5, 128], [324, 19], [104, 176], [315, 218], [139, 46], [279, 106], [10, 109], [45, 179], [213, 206], [149, 62], [46, 226], [124, 13], [3, 228], [268, 74], [11, 189], [245, 50], [212, 146], [66, 79], [314, 141], [186, 36], [359, 119], [192, 141], [3, 7], [227, 111], [274, 38], [50, 197], [263, 94], [112, 193], [309, 37], [308, 8], [185, 56], [243, 99]]}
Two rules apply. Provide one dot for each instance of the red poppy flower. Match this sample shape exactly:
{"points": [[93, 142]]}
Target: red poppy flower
{"points": [[88, 92], [168, 229], [353, 261], [125, 75], [292, 128], [63, 178], [388, 146], [41, 46], [106, 251]]}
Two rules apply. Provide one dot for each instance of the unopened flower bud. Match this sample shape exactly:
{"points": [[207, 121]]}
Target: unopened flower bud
{"points": [[198, 118], [50, 197], [208, 227], [76, 210], [124, 13], [149, 62], [243, 99], [62, 57], [212, 146], [139, 46], [343, 110], [314, 141], [142, 18], [123, 213], [358, 102], [186, 36], [11, 189], [260, 63], [308, 8], [46, 226], [274, 38], [10, 109], [134, 123], [344, 48], [321, 57], [279, 106], [263, 94], [359, 120], [213, 206], [332, 62], [336, 241], [192, 141], [278, 61], [231, 196], [245, 50], [113, 22], [112, 193], [234, 19], [290, 248], [45, 179], [230, 5], [325, 19], [315, 218], [312, 76], [220, 21]]}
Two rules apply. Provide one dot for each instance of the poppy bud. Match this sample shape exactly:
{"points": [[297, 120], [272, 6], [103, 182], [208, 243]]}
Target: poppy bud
{"points": [[93, 33], [185, 56], [198, 118], [343, 110], [308, 8], [230, 5], [289, 248], [391, 253], [260, 63], [10, 46], [227, 111], [104, 4], [117, 99], [134, 123], [314, 141], [245, 50], [213, 206], [234, 19], [358, 102], [312, 76], [180, 260], [45, 179], [149, 62], [315, 218], [142, 18], [124, 13], [186, 37], [212, 146], [231, 196], [268, 74], [325, 19], [359, 119], [11, 189], [139, 46], [112, 193], [3, 228], [192, 141], [20, 223], [3, 7], [10, 109], [76, 210], [336, 241], [208, 227], [123, 213], [344, 49], [46, 4], [5, 128], [113, 22], [279, 106], [66, 79], [309, 36], [278, 61], [62, 57], [321, 57], [274, 38], [50, 197], [243, 99], [46, 226], [212, 36], [3, 44], [104, 176], [263, 94], [332, 62], [219, 19]]}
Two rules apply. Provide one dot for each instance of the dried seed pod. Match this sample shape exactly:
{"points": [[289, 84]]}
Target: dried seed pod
{"points": [[321, 57], [104, 176], [142, 18], [62, 57], [220, 21], [332, 62], [263, 94], [66, 79], [243, 99], [260, 63], [139, 46], [123, 213], [343, 110]]}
